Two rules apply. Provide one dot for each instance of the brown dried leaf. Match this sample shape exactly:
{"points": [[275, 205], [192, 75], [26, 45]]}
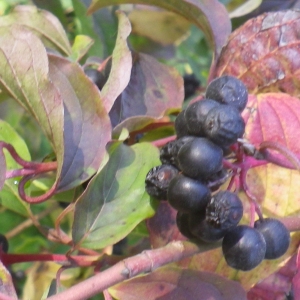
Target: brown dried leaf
{"points": [[264, 53]]}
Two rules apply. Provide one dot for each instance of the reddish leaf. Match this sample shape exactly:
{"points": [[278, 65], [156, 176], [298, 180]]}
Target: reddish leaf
{"points": [[170, 283], [277, 285], [153, 89], [264, 52], [6, 284], [211, 16], [296, 279]]}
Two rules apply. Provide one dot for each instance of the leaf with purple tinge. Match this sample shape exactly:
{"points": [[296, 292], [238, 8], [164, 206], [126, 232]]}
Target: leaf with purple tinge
{"points": [[121, 63], [26, 80], [264, 52], [154, 89], [87, 127], [170, 283], [210, 15], [41, 22]]}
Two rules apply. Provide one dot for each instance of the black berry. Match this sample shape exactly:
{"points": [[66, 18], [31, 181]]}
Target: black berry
{"points": [[181, 127], [4, 243], [224, 125], [96, 76], [187, 195], [202, 230], [169, 152], [243, 247], [276, 235], [224, 210], [158, 179], [196, 113], [200, 158], [182, 222], [191, 84], [228, 90]]}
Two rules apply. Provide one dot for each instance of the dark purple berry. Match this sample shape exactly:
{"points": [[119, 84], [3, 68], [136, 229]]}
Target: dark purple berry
{"points": [[276, 235], [158, 179], [224, 125], [191, 84], [224, 210], [181, 125], [182, 222], [200, 158], [228, 90], [4, 243], [203, 230], [169, 152], [244, 247], [196, 113], [96, 76], [188, 195]]}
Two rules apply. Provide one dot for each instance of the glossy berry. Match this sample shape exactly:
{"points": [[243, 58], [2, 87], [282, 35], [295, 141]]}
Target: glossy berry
{"points": [[182, 222], [191, 84], [196, 113], [243, 247], [228, 90], [203, 230], [224, 210], [200, 158], [96, 76], [158, 179], [181, 125], [224, 125], [169, 152], [4, 243], [187, 195], [276, 235]]}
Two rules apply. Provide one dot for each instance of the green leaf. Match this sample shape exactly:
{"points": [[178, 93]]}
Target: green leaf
{"points": [[115, 201], [81, 46], [210, 15], [120, 65], [84, 25], [9, 196], [44, 24], [87, 126]]}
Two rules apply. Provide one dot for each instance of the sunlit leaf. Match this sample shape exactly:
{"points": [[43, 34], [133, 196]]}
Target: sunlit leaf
{"points": [[170, 283], [115, 201], [42, 23], [86, 123], [245, 8], [160, 26], [263, 53], [211, 16], [154, 89], [121, 63], [81, 46]]}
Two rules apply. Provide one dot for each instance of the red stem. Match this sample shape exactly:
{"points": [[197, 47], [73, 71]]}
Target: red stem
{"points": [[76, 260]]}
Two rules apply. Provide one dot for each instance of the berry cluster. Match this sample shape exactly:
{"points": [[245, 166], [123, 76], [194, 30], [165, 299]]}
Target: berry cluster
{"points": [[192, 172]]}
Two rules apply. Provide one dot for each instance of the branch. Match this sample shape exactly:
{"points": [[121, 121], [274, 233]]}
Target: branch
{"points": [[128, 268]]}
